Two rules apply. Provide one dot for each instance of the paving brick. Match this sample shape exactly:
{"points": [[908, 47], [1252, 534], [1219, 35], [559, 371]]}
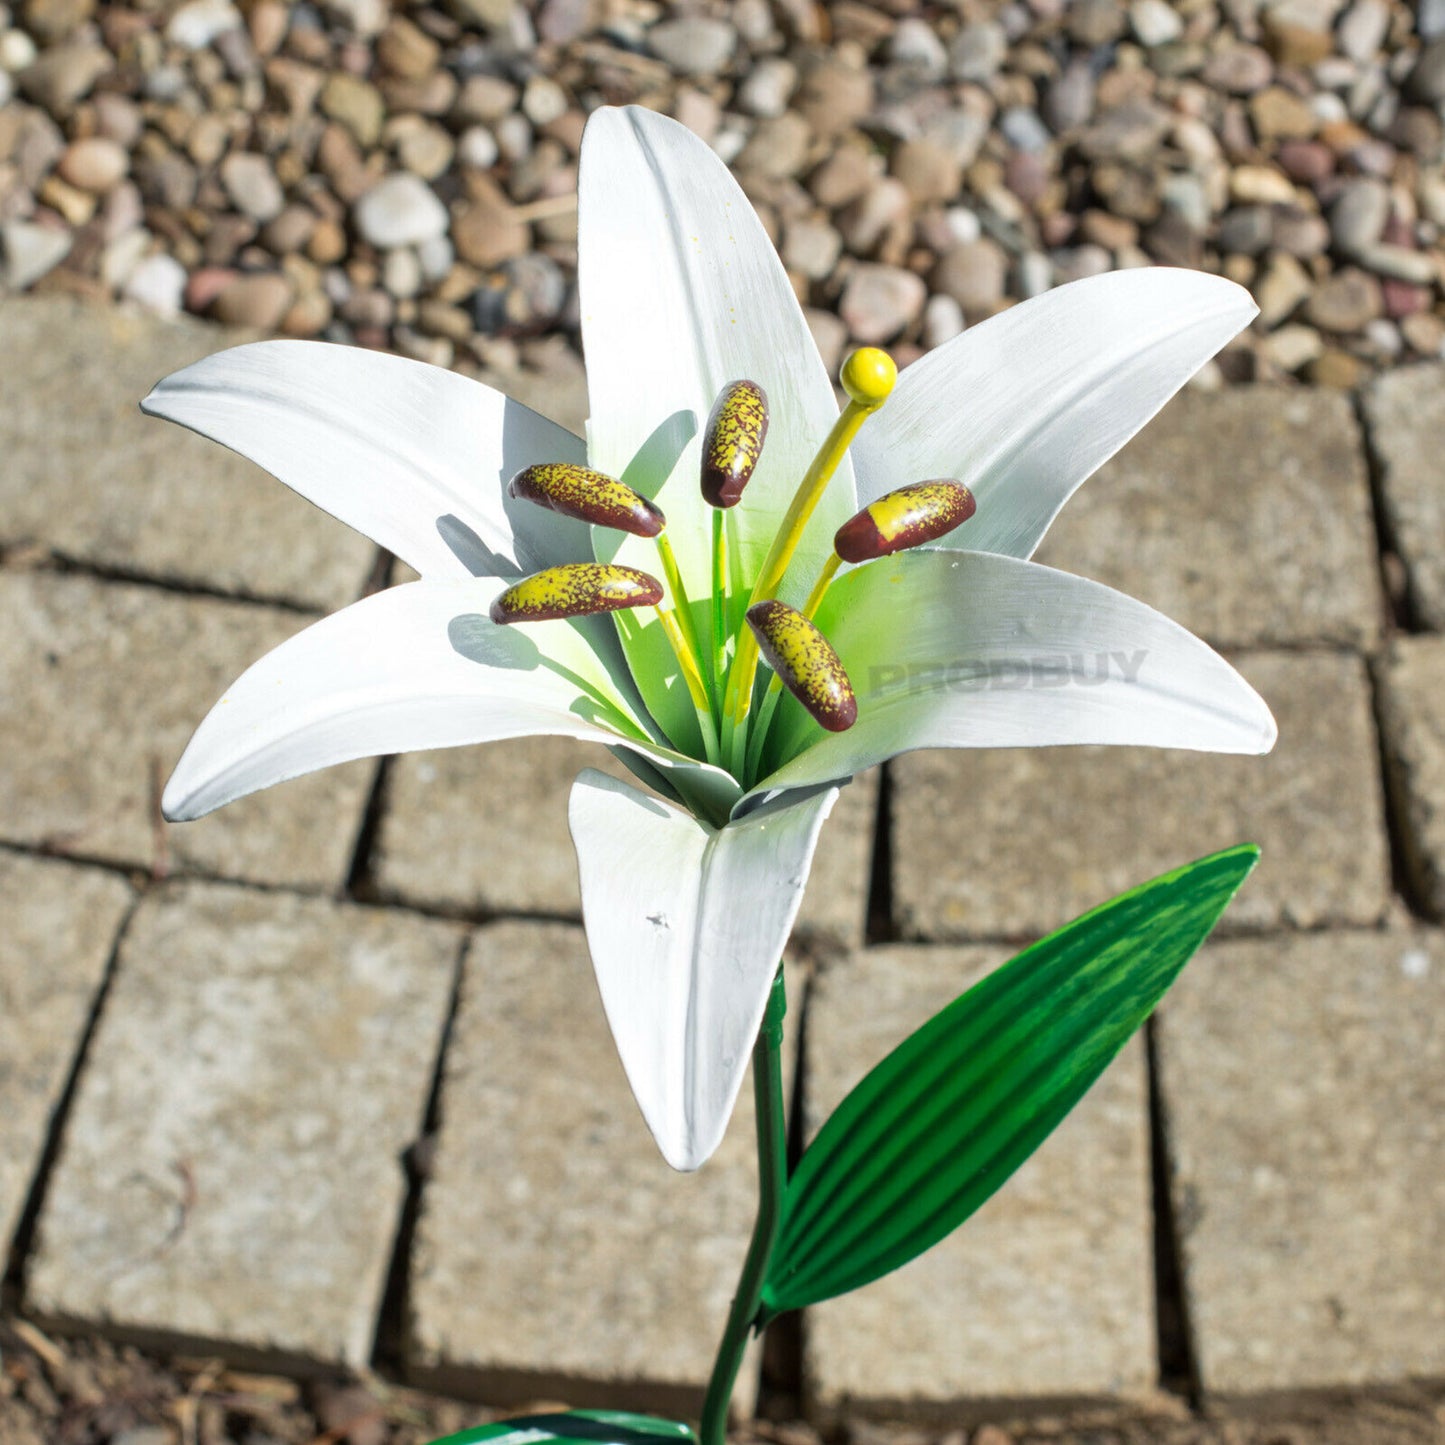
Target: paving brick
{"points": [[1412, 683], [484, 830], [101, 685], [1304, 1080], [1047, 1291], [1405, 414], [231, 1172], [557, 1256], [1245, 515], [88, 476], [60, 926], [990, 843]]}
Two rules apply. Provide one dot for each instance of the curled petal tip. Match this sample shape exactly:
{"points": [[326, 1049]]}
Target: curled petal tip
{"points": [[904, 518], [806, 664], [578, 491], [576, 589], [733, 442]]}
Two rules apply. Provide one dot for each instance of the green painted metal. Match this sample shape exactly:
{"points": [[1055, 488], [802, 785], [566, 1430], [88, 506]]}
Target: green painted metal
{"points": [[947, 1117], [768, 1105], [597, 1427]]}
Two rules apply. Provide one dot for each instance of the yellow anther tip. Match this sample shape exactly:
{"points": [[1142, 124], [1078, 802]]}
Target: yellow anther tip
{"points": [[868, 376]]}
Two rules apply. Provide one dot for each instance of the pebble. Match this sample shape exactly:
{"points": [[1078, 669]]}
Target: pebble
{"points": [[1068, 102], [29, 251], [1359, 213], [878, 302], [767, 87], [158, 283], [64, 75], [777, 149], [974, 274], [94, 164], [1426, 80], [401, 273], [927, 171], [252, 186], [1345, 301], [916, 50], [477, 147], [405, 49], [198, 23], [400, 210], [1022, 127], [1155, 23], [811, 247], [977, 51], [943, 319], [258, 301], [1239, 69], [695, 45], [1280, 288], [356, 104], [486, 232]]}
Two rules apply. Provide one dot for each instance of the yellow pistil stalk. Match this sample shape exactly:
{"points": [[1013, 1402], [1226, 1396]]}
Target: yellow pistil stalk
{"points": [[868, 376]]}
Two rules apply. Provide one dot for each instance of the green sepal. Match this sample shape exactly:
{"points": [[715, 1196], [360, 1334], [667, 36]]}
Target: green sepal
{"points": [[949, 1115], [597, 1427]]}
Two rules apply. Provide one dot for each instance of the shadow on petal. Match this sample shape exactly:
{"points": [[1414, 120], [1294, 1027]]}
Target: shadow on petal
{"points": [[479, 639], [658, 455], [473, 553]]}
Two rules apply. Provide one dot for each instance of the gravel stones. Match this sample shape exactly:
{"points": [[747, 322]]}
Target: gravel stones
{"points": [[1077, 138], [252, 186], [880, 301], [29, 251], [693, 45], [400, 210]]}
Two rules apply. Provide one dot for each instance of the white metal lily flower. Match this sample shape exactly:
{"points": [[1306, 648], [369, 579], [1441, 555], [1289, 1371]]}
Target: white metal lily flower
{"points": [[688, 907]]}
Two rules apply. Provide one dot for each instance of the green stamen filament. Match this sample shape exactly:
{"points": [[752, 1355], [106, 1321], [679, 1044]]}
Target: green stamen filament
{"points": [[719, 599], [687, 663], [681, 609]]}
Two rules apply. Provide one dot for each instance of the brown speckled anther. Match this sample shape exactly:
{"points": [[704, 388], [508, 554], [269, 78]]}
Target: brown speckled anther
{"points": [[576, 589], [577, 491], [733, 442], [806, 664], [904, 518]]}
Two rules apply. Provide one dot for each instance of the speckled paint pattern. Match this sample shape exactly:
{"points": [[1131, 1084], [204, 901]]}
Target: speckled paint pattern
{"points": [[575, 590], [736, 430], [904, 518], [805, 662], [577, 491]]}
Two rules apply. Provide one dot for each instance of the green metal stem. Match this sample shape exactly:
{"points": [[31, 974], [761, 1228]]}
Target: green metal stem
{"points": [[772, 1180]]}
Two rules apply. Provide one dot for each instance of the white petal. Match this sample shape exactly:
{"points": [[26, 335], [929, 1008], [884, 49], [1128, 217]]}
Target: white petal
{"points": [[417, 666], [414, 457], [973, 650], [1023, 407], [681, 293], [686, 925]]}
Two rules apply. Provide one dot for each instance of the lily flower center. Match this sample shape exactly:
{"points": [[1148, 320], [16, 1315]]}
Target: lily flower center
{"points": [[721, 680]]}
